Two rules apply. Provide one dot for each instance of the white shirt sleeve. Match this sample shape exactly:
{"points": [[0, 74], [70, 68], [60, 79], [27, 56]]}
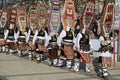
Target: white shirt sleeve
{"points": [[59, 39], [101, 39], [46, 39], [35, 37], [16, 35], [6, 34], [79, 36], [28, 36], [74, 41]]}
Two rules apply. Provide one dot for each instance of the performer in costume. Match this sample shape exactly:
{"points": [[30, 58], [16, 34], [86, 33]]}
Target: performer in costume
{"points": [[65, 43], [12, 31], [22, 24], [11, 36], [22, 45], [106, 26], [31, 29], [53, 30], [31, 46], [105, 55], [53, 50], [41, 39], [66, 37], [2, 40], [84, 49], [4, 18]]}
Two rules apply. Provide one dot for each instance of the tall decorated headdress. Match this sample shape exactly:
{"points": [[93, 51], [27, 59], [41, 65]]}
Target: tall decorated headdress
{"points": [[22, 18], [42, 15], [79, 6], [32, 18], [107, 19], [88, 14], [4, 16], [13, 16], [69, 14], [54, 22]]}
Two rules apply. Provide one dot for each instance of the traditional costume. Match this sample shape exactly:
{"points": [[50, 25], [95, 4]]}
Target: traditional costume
{"points": [[3, 24], [2, 40], [22, 45], [32, 28], [65, 39], [11, 39], [65, 43], [105, 54], [31, 46], [84, 49], [41, 40], [22, 24], [54, 29], [53, 50], [12, 31], [41, 37]]}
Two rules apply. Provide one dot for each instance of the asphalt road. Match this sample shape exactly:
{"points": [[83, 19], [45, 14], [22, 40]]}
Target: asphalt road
{"points": [[13, 67]]}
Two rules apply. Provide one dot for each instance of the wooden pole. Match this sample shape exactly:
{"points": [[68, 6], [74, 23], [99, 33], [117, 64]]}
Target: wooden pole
{"points": [[114, 51], [119, 43], [114, 41]]}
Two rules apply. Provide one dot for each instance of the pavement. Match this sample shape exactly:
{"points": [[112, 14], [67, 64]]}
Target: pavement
{"points": [[13, 67]]}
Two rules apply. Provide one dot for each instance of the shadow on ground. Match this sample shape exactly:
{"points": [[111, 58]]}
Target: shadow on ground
{"points": [[2, 78]]}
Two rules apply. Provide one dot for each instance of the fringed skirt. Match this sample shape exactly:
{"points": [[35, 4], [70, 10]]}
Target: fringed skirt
{"points": [[85, 58], [105, 61], [2, 42], [68, 51], [22, 46], [10, 45], [53, 53]]}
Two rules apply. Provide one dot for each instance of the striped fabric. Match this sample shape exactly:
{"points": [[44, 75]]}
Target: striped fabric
{"points": [[106, 61], [85, 58], [68, 51]]}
